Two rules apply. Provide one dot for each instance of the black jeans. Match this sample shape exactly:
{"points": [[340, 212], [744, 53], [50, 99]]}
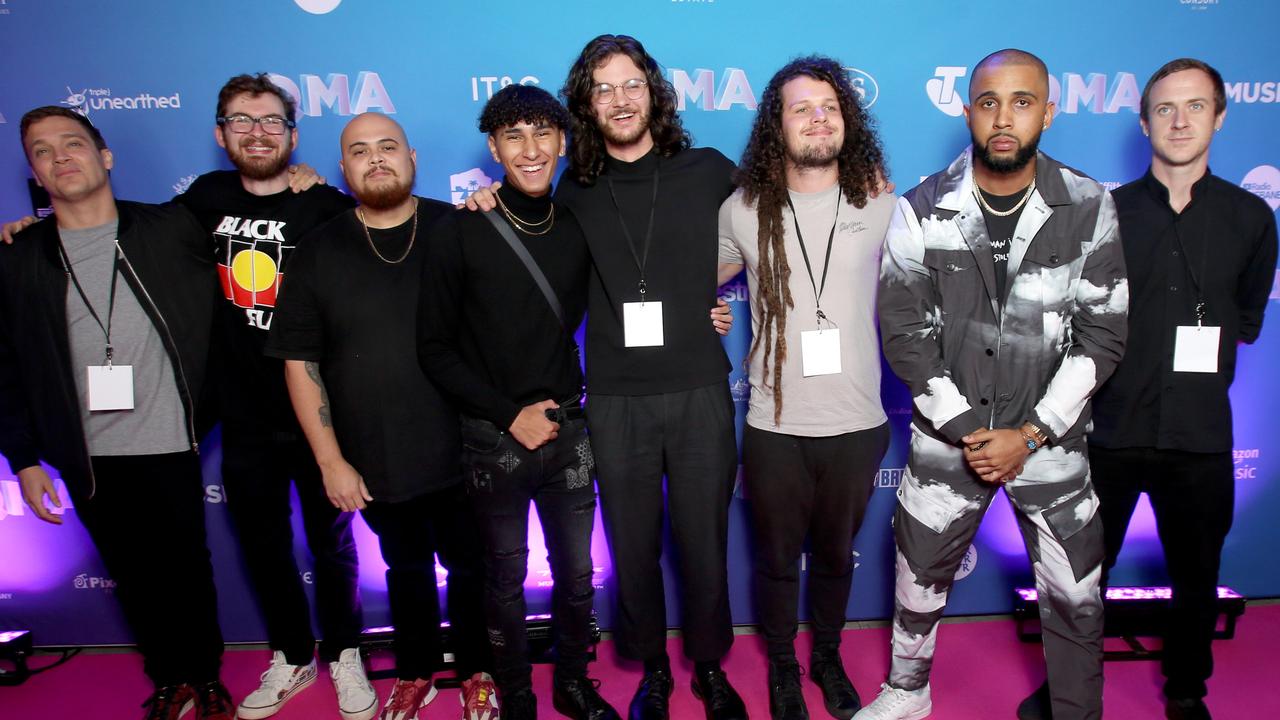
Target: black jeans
{"points": [[147, 520], [807, 486], [258, 467], [503, 477], [410, 534], [1193, 498], [688, 437]]}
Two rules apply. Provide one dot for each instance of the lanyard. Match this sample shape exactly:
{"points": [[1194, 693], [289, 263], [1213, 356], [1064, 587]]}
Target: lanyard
{"points": [[826, 263], [641, 259], [1186, 259], [111, 301]]}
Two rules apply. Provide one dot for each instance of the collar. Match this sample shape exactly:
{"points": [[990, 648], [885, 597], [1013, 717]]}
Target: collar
{"points": [[1160, 193], [523, 205], [957, 182], [647, 164]]}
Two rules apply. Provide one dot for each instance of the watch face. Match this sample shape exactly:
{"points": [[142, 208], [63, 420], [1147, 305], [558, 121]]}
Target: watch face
{"points": [[1031, 445]]}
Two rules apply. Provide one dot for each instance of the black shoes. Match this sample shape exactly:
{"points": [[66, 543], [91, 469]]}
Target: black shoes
{"points": [[652, 698], [719, 698], [577, 698], [838, 694], [1186, 709], [1037, 705], [519, 705], [786, 701]]}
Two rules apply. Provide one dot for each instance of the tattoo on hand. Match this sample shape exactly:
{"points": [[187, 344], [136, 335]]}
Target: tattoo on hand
{"points": [[313, 372]]}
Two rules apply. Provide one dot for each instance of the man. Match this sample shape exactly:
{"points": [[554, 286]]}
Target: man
{"points": [[505, 355], [1002, 307], [385, 441], [255, 221], [100, 382], [1162, 423], [811, 172]]}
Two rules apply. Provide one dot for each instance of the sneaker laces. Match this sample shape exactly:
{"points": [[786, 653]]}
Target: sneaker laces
{"points": [[405, 696], [347, 674], [890, 697], [279, 674]]}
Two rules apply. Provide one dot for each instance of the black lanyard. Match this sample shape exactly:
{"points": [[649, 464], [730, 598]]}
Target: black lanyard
{"points": [[1191, 272], [111, 299], [641, 258], [817, 287]]}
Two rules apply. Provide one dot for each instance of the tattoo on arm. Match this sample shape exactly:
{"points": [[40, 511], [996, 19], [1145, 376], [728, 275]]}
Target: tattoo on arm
{"points": [[313, 372]]}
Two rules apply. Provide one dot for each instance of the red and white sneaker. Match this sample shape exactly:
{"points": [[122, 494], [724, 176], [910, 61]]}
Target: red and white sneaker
{"points": [[479, 698], [407, 699], [280, 682]]}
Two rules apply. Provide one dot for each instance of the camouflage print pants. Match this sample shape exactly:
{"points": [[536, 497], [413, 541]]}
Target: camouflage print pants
{"points": [[941, 503]]}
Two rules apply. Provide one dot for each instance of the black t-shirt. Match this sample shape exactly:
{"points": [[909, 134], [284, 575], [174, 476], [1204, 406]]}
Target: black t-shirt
{"points": [[486, 334], [353, 313], [1000, 231], [253, 237], [680, 270]]}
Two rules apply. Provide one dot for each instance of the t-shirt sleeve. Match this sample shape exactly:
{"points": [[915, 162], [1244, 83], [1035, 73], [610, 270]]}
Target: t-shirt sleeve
{"points": [[297, 329], [730, 253]]}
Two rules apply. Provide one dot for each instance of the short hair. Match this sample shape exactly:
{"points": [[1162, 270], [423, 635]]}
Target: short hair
{"points": [[517, 103], [1014, 56], [1173, 66], [255, 85], [47, 111]]}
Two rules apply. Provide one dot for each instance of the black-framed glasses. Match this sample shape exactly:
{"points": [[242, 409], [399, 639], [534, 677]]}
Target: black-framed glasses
{"points": [[604, 93], [270, 124]]}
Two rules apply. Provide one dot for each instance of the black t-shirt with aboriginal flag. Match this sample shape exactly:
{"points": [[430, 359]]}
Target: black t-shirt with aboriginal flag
{"points": [[253, 237]]}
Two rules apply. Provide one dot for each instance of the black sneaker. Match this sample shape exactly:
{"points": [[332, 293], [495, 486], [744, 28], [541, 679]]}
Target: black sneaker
{"points": [[1186, 709], [718, 697], [786, 701], [1037, 705], [169, 702], [652, 698], [826, 670], [519, 705], [213, 702], [577, 698]]}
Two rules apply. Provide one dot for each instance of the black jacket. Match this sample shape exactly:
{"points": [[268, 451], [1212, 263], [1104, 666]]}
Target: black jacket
{"points": [[168, 266]]}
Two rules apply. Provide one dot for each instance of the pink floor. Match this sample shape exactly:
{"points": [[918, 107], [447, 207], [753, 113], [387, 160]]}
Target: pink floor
{"points": [[981, 671]]}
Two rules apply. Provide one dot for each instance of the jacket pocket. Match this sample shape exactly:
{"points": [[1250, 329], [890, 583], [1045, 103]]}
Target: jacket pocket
{"points": [[920, 504], [480, 436]]}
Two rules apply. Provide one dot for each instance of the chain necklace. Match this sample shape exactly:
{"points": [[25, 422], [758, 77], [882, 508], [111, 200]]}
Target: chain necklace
{"points": [[412, 236], [977, 193], [525, 226]]}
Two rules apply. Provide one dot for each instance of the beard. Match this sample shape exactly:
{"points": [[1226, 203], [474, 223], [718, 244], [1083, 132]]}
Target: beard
{"points": [[810, 157], [260, 168], [387, 194], [627, 137], [1004, 166]]}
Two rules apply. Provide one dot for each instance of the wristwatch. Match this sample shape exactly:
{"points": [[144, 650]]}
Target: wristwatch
{"points": [[1033, 436]]}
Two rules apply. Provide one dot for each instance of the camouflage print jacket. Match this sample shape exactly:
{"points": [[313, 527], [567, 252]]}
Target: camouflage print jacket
{"points": [[968, 361]]}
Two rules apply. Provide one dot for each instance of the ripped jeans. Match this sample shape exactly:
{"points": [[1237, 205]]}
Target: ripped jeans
{"points": [[502, 477]]}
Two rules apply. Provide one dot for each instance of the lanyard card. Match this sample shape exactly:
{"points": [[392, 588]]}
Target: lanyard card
{"points": [[110, 387], [642, 324], [820, 352], [1196, 349]]}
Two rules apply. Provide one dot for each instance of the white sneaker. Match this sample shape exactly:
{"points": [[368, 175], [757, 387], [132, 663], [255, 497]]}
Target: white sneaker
{"points": [[895, 704], [280, 682], [357, 700]]}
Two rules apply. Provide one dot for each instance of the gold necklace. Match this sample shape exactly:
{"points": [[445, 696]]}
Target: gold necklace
{"points": [[412, 236], [977, 193], [525, 226]]}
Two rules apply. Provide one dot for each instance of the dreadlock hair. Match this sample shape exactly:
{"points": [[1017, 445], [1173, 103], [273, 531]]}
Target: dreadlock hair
{"points": [[586, 141], [763, 179]]}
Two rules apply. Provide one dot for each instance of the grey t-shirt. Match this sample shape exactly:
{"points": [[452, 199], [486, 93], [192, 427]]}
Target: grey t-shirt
{"points": [[157, 423], [822, 405]]}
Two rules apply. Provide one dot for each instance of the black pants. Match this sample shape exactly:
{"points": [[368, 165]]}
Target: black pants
{"points": [[1193, 497], [257, 468], [807, 486], [503, 477], [410, 534], [147, 520], [688, 437]]}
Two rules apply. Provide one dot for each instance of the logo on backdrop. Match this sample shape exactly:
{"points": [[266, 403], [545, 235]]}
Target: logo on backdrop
{"points": [[463, 184], [2, 120], [740, 390], [12, 504], [865, 85], [1245, 467], [1198, 4], [183, 183], [941, 89], [4, 10], [701, 90], [889, 477], [1264, 181], [1253, 92], [91, 99], [337, 93], [84, 581], [1095, 93], [486, 84], [318, 7], [968, 563], [214, 494]]}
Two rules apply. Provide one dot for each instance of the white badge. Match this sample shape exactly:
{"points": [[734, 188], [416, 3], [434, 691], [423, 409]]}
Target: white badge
{"points": [[642, 324], [820, 352], [110, 387], [1196, 349]]}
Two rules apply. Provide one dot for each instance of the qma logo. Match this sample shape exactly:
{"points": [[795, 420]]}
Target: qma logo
{"points": [[1243, 457], [1096, 93], [183, 184], [12, 504], [1253, 92], [1264, 181], [968, 563], [335, 92], [84, 581], [463, 184], [701, 90], [488, 82], [102, 98], [318, 7]]}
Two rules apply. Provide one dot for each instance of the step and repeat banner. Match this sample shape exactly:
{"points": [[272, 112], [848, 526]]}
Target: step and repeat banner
{"points": [[147, 73]]}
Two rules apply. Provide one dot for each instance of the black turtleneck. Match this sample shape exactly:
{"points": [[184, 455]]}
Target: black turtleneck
{"points": [[487, 336], [680, 270]]}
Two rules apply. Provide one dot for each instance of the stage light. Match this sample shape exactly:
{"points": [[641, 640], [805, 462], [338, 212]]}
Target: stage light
{"points": [[15, 647]]}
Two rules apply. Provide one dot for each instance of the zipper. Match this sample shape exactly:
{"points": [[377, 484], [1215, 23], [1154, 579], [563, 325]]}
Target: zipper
{"points": [[188, 401]]}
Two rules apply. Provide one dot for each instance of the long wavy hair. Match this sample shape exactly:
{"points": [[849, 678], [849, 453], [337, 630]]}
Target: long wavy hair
{"points": [[586, 141], [763, 179]]}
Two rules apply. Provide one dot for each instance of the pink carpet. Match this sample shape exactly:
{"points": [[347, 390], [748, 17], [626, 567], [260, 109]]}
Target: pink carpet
{"points": [[981, 671]]}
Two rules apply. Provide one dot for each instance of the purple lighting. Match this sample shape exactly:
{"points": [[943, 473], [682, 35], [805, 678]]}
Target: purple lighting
{"points": [[1137, 593], [10, 636]]}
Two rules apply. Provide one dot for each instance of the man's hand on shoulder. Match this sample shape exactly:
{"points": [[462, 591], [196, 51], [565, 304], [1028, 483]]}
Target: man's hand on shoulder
{"points": [[303, 177], [482, 199], [531, 428], [13, 228]]}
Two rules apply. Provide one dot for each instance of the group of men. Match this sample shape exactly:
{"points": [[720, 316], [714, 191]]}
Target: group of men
{"points": [[435, 386]]}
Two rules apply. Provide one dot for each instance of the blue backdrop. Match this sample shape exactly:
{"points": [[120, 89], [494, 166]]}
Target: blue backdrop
{"points": [[148, 71]]}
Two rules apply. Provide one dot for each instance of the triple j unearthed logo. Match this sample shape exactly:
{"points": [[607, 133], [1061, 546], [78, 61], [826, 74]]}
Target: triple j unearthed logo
{"points": [[87, 100]]}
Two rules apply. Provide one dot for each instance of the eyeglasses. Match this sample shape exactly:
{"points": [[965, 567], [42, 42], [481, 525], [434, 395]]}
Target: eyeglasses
{"points": [[270, 124], [604, 93]]}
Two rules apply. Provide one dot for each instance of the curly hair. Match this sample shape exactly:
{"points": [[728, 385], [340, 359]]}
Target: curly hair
{"points": [[586, 141], [762, 177], [255, 85], [516, 103]]}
